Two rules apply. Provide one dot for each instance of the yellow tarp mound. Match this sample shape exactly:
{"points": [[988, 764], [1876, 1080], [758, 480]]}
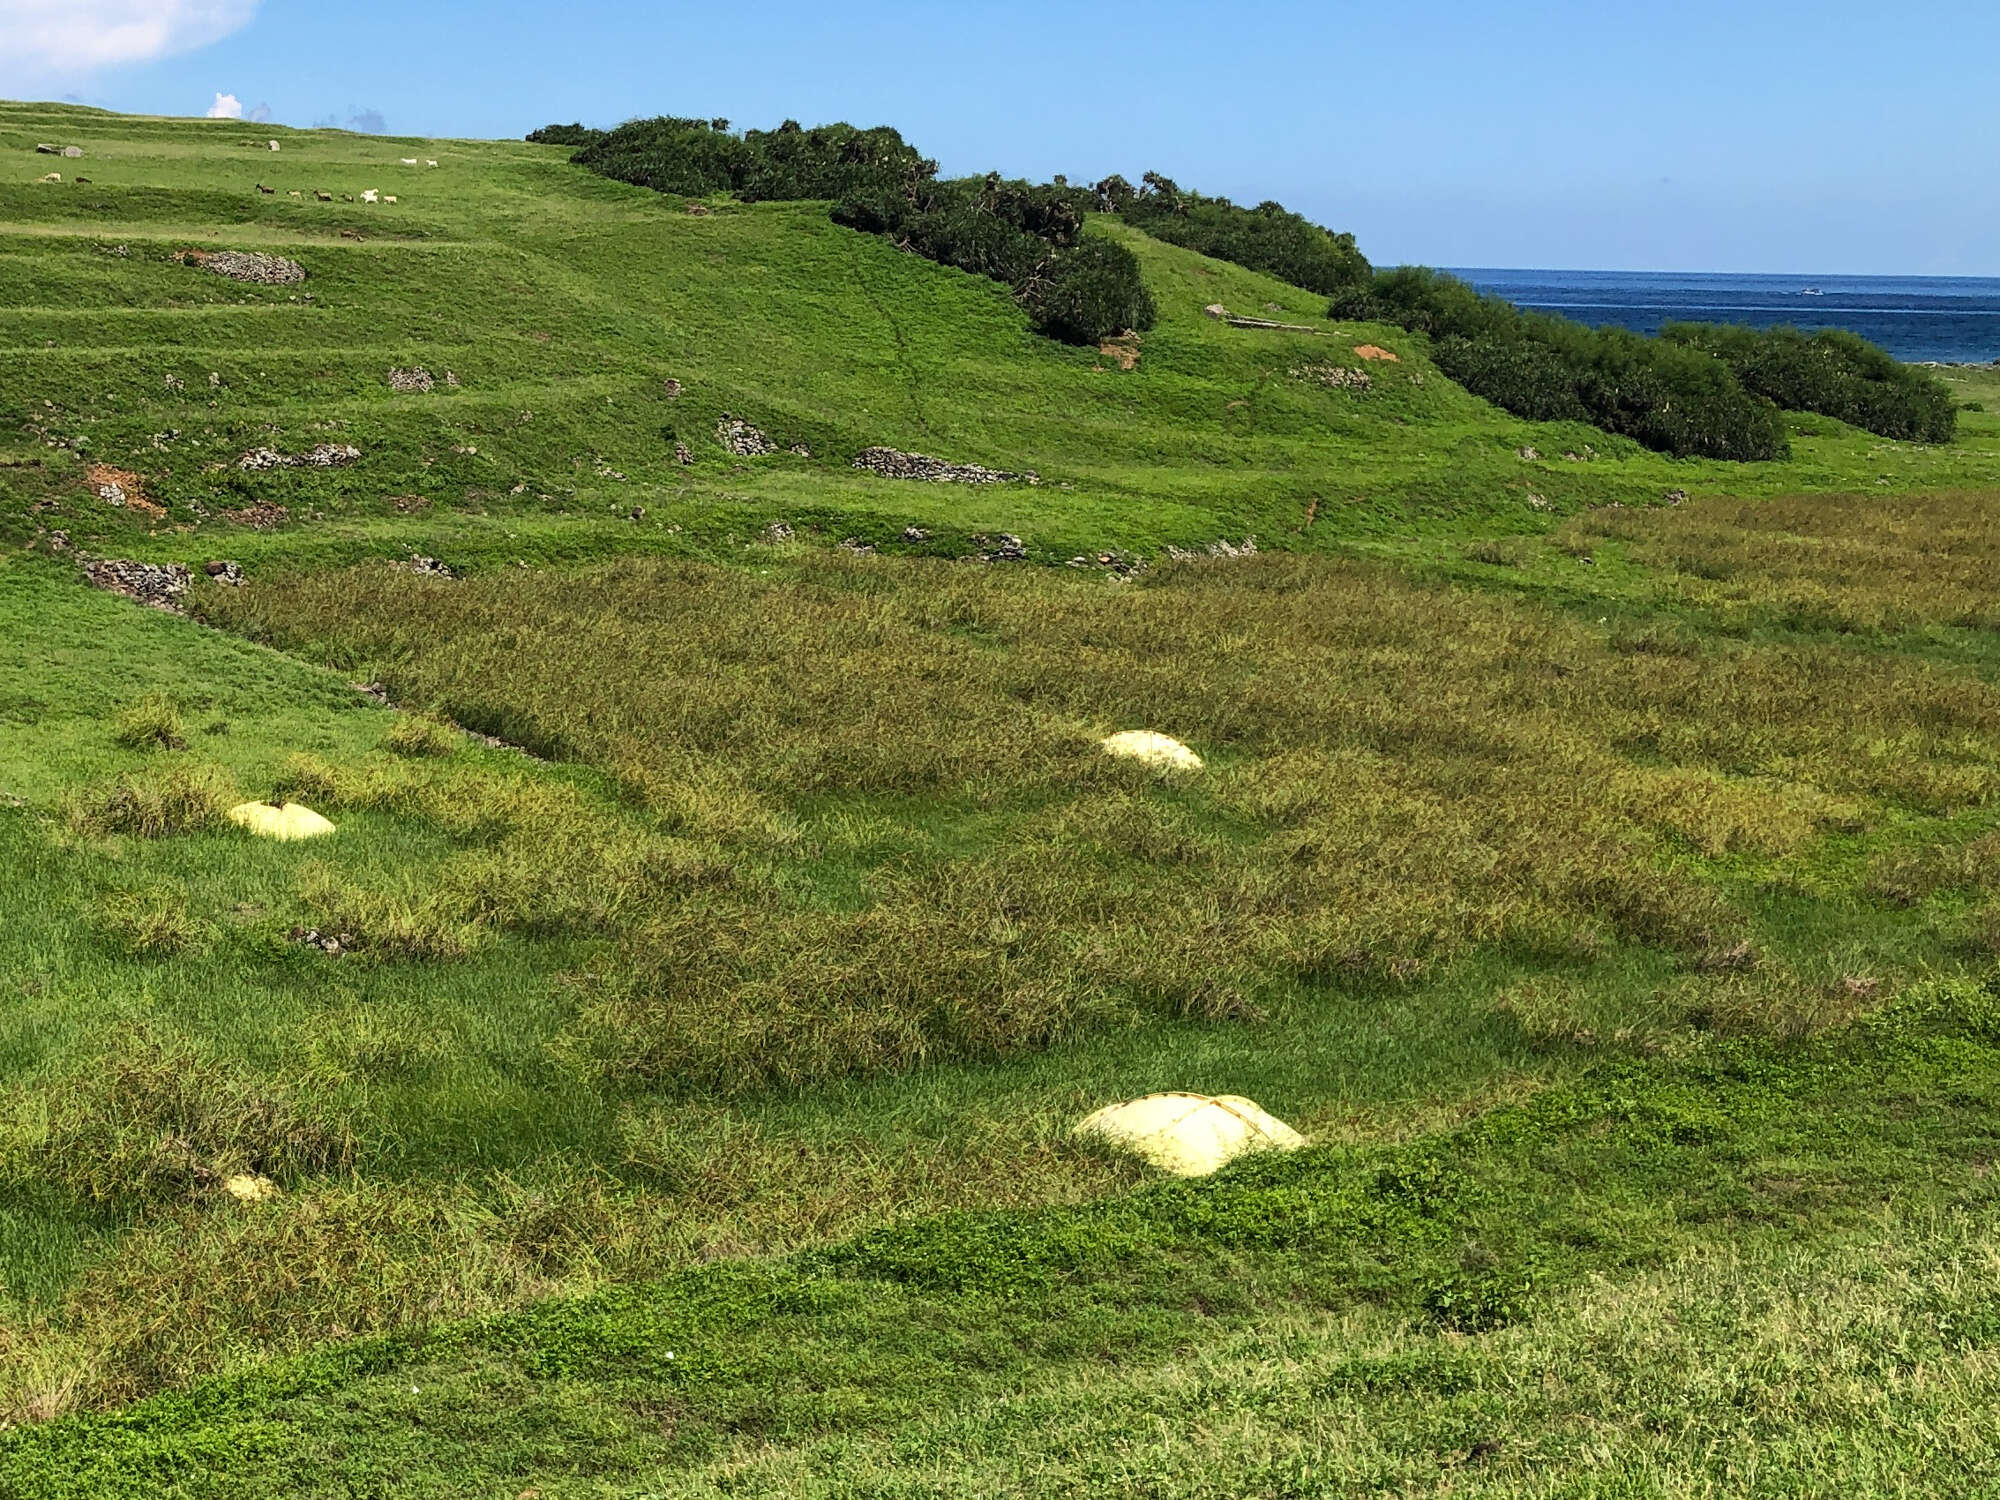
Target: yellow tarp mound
{"points": [[1160, 751], [286, 820], [1190, 1135]]}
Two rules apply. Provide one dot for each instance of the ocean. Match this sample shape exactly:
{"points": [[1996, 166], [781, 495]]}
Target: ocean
{"points": [[1949, 319]]}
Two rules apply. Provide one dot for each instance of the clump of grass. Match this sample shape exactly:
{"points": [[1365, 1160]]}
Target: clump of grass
{"points": [[401, 925], [419, 736], [153, 1120], [152, 923], [155, 803], [152, 723]]}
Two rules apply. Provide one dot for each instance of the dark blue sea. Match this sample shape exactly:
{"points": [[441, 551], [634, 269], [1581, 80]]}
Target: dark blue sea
{"points": [[1951, 319]]}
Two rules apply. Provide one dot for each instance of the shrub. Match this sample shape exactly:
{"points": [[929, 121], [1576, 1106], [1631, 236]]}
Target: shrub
{"points": [[1832, 373], [152, 923], [699, 158], [153, 723], [1089, 293], [565, 135], [418, 736], [151, 1120], [1268, 237], [1667, 396], [155, 804]]}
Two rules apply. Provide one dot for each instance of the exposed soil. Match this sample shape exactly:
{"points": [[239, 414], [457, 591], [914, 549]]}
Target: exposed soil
{"points": [[1375, 351]]}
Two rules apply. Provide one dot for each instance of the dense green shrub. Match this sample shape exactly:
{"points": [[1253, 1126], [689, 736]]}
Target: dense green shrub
{"points": [[565, 135], [1833, 373], [1669, 396], [1089, 292], [1026, 234], [1268, 237], [702, 157]]}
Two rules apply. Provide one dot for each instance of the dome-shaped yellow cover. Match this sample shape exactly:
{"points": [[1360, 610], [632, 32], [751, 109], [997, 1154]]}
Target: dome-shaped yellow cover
{"points": [[1190, 1135], [1160, 751], [281, 820]]}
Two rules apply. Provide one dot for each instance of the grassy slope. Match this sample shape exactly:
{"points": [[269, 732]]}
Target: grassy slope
{"points": [[821, 337]]}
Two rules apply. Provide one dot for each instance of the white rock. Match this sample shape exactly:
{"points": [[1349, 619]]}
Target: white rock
{"points": [[1160, 751], [1190, 1135], [249, 1187], [288, 820]]}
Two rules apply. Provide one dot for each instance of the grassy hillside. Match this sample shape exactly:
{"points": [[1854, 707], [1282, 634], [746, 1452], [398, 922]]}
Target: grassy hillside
{"points": [[725, 927]]}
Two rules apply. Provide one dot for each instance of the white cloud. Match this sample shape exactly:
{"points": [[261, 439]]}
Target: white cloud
{"points": [[226, 107], [65, 37]]}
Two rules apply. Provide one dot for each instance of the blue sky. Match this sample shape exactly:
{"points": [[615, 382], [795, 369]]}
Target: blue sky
{"points": [[1758, 135]]}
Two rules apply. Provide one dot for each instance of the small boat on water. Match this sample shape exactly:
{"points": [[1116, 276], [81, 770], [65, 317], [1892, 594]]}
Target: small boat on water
{"points": [[1811, 291]]}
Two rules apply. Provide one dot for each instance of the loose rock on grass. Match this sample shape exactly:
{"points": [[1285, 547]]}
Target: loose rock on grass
{"points": [[320, 456], [246, 265]]}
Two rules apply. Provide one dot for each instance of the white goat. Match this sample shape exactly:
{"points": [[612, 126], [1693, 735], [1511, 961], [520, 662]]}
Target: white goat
{"points": [[369, 196]]}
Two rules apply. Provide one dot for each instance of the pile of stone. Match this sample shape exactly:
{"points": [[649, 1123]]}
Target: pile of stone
{"points": [[1216, 551], [428, 567], [740, 438], [411, 382], [225, 572], [1335, 377], [249, 265], [160, 585], [320, 456], [888, 463]]}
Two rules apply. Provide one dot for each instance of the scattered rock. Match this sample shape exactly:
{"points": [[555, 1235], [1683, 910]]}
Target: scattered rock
{"points": [[1538, 502], [159, 585], [1676, 497], [450, 380], [413, 381], [1527, 455], [74, 153], [428, 567], [334, 943], [246, 265], [888, 463], [683, 454], [800, 450], [855, 545], [777, 531], [915, 534], [320, 456], [225, 572], [740, 438], [671, 389], [1216, 310], [373, 690], [1005, 547]]}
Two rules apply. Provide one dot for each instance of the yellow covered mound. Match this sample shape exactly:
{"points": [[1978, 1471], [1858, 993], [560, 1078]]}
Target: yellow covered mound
{"points": [[283, 820], [1190, 1135], [1162, 752]]}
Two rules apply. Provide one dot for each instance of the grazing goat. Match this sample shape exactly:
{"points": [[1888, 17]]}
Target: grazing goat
{"points": [[429, 163], [408, 161], [369, 196], [388, 197], [323, 197], [262, 189]]}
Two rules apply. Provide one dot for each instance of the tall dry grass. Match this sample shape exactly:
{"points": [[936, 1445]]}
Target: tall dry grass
{"points": [[927, 857]]}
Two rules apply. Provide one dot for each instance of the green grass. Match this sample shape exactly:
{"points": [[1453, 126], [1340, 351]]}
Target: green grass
{"points": [[1623, 872]]}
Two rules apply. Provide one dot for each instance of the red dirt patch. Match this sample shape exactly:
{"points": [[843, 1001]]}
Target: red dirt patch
{"points": [[1375, 351], [122, 488], [1123, 350]]}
